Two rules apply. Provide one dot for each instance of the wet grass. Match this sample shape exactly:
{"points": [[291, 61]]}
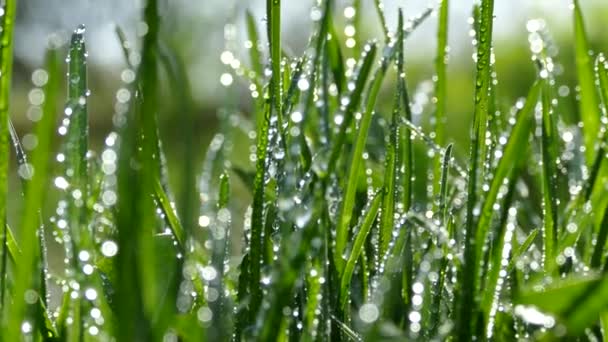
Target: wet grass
{"points": [[363, 224]]}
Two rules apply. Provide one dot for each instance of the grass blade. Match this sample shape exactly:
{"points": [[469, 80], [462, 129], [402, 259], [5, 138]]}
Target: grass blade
{"points": [[286, 277], [367, 221], [589, 103], [170, 216], [549, 177], [27, 265], [575, 302], [257, 215], [254, 50], [517, 143], [441, 87], [391, 169], [221, 238], [356, 159], [500, 252], [77, 140], [466, 306], [354, 100], [522, 249], [6, 66], [273, 12], [406, 148], [598, 251], [380, 12], [135, 221]]}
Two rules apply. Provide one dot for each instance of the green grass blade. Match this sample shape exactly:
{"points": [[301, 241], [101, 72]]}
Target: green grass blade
{"points": [[188, 196], [575, 302], [356, 160], [170, 216], [466, 305], [273, 12], [286, 275], [406, 148], [602, 76], [589, 103], [598, 250], [293, 91], [27, 264], [254, 50], [391, 168], [77, 139], [549, 179], [441, 87], [354, 101], [14, 252], [380, 12], [523, 248], [257, 215], [336, 59], [348, 331], [368, 219], [6, 66], [221, 238], [503, 238], [443, 190], [135, 219], [517, 143]]}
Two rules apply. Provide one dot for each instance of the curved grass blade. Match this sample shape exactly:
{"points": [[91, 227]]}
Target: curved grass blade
{"points": [[589, 103], [170, 216], [14, 252], [356, 159], [380, 12], [293, 90], [500, 253], [286, 275], [27, 265], [354, 100], [254, 50], [522, 249], [188, 196], [348, 332], [517, 143], [441, 88], [468, 281], [367, 221], [45, 324], [575, 302]]}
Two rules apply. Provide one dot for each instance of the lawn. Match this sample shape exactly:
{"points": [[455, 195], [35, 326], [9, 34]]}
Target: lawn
{"points": [[367, 216]]}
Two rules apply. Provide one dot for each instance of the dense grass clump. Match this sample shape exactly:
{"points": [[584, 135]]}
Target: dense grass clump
{"points": [[363, 225]]}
